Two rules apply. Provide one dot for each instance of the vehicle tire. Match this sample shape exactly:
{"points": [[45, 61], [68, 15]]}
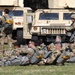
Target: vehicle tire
{"points": [[35, 37], [20, 36]]}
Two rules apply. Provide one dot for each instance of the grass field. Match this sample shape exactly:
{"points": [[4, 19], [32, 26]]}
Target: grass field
{"points": [[68, 69]]}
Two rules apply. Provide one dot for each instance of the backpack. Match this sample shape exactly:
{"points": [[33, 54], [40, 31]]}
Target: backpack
{"points": [[34, 59], [8, 20], [8, 25]]}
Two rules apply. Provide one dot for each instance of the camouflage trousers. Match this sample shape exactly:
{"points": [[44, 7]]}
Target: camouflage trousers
{"points": [[20, 60], [63, 57], [52, 56], [71, 60]]}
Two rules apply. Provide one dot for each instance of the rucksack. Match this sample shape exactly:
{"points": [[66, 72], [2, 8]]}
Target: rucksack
{"points": [[8, 25], [8, 20], [34, 59]]}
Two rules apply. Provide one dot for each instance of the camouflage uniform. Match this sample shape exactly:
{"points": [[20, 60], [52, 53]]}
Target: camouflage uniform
{"points": [[56, 56], [72, 56], [34, 59], [43, 49], [13, 57], [72, 59], [3, 18], [7, 28], [6, 25], [65, 55], [51, 54], [51, 59]]}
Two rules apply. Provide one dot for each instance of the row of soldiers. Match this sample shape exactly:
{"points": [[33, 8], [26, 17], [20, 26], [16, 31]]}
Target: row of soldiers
{"points": [[32, 53], [53, 53]]}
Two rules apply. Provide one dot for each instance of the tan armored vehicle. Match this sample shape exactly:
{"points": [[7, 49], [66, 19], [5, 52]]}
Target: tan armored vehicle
{"points": [[17, 12], [48, 23]]}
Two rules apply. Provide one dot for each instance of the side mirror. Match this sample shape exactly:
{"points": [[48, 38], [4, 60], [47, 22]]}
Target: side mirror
{"points": [[29, 19]]}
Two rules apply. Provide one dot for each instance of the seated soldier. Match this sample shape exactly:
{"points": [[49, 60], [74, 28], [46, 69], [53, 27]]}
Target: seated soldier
{"points": [[51, 55], [34, 59], [65, 55]]}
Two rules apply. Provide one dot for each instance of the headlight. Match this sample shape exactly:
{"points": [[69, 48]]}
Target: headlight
{"points": [[44, 31]]}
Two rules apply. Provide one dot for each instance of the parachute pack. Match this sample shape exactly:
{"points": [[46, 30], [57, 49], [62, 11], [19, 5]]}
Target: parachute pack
{"points": [[8, 20], [8, 25]]}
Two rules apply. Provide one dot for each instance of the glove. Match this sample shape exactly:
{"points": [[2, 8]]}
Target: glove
{"points": [[65, 57]]}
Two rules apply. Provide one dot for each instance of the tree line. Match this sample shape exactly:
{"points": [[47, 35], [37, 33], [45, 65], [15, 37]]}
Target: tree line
{"points": [[36, 4]]}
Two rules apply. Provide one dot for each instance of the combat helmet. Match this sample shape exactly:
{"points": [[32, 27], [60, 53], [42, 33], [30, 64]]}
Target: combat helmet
{"points": [[73, 16]]}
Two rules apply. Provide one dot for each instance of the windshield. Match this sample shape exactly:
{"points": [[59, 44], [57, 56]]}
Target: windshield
{"points": [[16, 13], [0, 12], [67, 16], [49, 16]]}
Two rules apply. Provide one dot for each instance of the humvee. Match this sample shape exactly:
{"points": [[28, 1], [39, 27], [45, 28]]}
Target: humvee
{"points": [[48, 23], [17, 11]]}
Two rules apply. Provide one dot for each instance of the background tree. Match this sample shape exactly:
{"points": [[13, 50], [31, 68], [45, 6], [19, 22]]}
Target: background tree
{"points": [[36, 4]]}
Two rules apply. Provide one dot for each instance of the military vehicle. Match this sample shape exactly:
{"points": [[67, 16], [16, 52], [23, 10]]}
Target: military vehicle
{"points": [[48, 23], [17, 10]]}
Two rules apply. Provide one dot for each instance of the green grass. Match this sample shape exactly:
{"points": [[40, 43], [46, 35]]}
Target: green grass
{"points": [[68, 69]]}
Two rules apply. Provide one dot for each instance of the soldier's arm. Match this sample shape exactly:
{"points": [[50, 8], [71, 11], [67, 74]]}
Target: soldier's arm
{"points": [[72, 54], [25, 50]]}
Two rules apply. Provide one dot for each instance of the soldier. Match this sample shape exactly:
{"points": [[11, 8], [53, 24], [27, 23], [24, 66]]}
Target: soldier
{"points": [[72, 28], [15, 57], [22, 56], [7, 26], [65, 55], [34, 59], [51, 55], [54, 51], [55, 54], [72, 56], [7, 22]]}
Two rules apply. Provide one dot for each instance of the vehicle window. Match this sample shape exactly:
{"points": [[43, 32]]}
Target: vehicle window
{"points": [[16, 13], [67, 16], [49, 16], [0, 12]]}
